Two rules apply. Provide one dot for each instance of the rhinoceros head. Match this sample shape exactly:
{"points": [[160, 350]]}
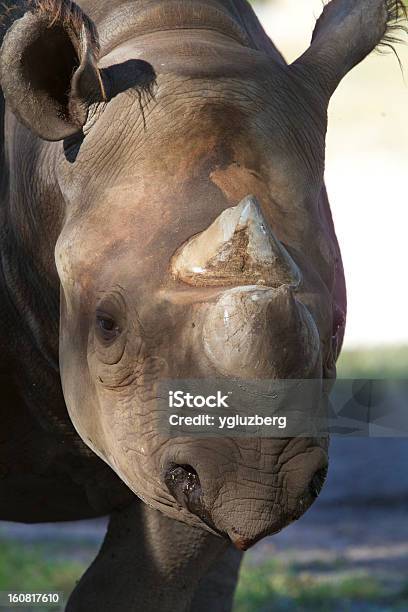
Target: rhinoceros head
{"points": [[195, 237]]}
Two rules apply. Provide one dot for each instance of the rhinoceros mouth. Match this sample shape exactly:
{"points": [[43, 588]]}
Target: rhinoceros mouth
{"points": [[184, 484]]}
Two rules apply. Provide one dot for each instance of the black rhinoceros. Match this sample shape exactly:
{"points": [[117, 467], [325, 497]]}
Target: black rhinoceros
{"points": [[163, 216]]}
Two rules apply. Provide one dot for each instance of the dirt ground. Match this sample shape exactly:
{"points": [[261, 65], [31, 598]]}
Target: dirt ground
{"points": [[373, 538]]}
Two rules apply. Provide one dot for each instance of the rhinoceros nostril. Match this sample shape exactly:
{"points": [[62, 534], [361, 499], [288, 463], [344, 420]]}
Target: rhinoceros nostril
{"points": [[317, 482], [184, 484]]}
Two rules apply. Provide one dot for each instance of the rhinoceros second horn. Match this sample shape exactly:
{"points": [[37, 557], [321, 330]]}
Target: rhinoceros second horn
{"points": [[238, 248]]}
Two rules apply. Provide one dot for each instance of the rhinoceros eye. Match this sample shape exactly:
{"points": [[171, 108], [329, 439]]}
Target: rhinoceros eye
{"points": [[107, 328]]}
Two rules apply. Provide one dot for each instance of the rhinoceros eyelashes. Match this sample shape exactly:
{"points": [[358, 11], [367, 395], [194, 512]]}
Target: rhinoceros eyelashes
{"points": [[237, 248]]}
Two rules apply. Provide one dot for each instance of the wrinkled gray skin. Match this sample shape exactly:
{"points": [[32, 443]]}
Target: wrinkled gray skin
{"points": [[111, 163]]}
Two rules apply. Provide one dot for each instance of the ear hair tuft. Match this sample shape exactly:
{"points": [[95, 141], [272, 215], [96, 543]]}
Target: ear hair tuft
{"points": [[397, 14], [64, 12], [69, 15], [345, 33]]}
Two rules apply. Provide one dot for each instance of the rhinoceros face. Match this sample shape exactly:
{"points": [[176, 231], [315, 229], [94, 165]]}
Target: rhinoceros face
{"points": [[181, 267], [196, 243], [138, 307], [176, 267]]}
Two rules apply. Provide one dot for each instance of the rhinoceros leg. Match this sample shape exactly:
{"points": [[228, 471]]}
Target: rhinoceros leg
{"points": [[215, 591], [147, 563]]}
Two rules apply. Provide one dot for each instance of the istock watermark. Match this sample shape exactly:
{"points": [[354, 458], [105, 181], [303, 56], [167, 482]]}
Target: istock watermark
{"points": [[237, 407], [283, 408], [179, 399], [227, 422]]}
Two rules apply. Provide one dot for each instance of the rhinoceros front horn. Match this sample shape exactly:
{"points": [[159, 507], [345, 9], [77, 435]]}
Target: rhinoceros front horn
{"points": [[238, 248]]}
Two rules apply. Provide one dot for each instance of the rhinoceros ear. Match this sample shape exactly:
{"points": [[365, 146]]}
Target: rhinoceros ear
{"points": [[48, 68], [346, 32]]}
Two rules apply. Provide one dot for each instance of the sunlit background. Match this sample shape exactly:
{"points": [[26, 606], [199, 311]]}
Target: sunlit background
{"points": [[350, 551]]}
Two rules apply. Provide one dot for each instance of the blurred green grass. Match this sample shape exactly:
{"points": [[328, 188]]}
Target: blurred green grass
{"points": [[275, 587], [379, 362], [37, 568], [271, 586]]}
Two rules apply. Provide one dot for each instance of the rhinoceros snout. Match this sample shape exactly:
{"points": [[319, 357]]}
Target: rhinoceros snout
{"points": [[305, 500], [242, 504]]}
